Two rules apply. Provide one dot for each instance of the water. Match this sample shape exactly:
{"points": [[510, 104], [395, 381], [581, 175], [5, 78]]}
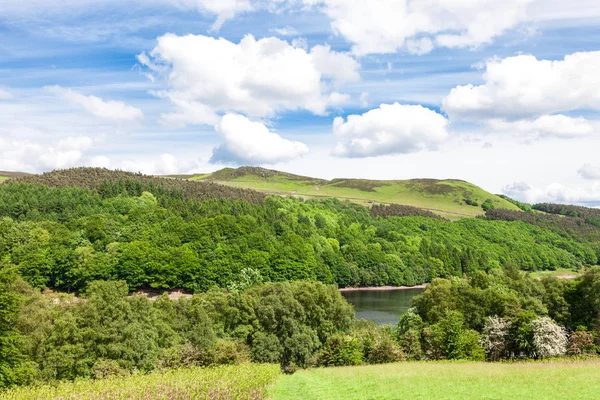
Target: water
{"points": [[382, 307]]}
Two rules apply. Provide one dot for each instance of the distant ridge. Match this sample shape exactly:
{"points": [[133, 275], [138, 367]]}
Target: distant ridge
{"points": [[108, 182], [450, 198]]}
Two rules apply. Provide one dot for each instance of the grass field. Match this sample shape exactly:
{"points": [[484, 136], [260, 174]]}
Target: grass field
{"points": [[446, 197], [247, 381], [3, 178], [556, 380], [561, 273]]}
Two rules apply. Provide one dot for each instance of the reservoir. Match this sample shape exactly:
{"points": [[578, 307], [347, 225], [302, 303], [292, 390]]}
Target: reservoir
{"points": [[381, 306]]}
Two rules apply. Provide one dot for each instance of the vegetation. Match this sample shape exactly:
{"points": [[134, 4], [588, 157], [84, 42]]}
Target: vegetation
{"points": [[445, 380], [66, 237], [442, 197], [264, 273], [246, 381]]}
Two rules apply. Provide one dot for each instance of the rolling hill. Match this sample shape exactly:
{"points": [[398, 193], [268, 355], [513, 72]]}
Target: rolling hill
{"points": [[6, 175], [447, 198]]}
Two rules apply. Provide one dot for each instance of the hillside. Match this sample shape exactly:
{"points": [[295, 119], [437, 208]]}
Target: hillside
{"points": [[447, 198], [6, 175]]}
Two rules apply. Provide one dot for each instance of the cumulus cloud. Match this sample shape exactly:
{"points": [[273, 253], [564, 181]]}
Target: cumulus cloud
{"points": [[117, 111], [21, 155], [249, 142], [559, 126], [389, 129], [364, 100], [208, 76], [554, 193], [525, 87], [385, 26], [590, 171]]}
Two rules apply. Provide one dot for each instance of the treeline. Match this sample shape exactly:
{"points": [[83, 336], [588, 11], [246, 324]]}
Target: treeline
{"points": [[108, 183], [501, 315], [589, 215], [46, 338], [577, 228], [64, 238]]}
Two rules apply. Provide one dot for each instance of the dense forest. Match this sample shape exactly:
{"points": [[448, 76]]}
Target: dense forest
{"points": [[83, 225], [76, 244]]}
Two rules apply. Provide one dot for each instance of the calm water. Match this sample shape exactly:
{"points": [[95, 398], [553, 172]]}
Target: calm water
{"points": [[382, 307]]}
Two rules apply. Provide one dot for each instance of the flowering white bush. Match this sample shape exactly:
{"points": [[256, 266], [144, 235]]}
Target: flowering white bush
{"points": [[549, 339], [494, 337]]}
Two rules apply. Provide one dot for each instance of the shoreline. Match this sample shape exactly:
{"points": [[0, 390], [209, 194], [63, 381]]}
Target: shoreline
{"points": [[382, 288]]}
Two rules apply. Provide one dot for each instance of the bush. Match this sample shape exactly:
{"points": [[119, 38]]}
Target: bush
{"points": [[549, 339], [103, 369], [340, 350]]}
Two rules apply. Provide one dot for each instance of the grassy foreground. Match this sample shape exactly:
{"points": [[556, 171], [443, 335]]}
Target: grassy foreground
{"points": [[551, 380], [246, 381]]}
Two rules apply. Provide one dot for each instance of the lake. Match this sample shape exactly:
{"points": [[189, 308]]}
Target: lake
{"points": [[381, 306]]}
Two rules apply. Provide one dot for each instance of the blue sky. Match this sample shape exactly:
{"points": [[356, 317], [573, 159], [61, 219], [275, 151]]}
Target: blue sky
{"points": [[328, 88]]}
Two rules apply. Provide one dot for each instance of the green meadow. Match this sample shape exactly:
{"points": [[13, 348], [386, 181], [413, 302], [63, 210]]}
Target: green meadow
{"points": [[456, 380]]}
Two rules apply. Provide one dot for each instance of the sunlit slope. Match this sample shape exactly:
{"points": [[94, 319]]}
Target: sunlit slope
{"points": [[445, 197], [6, 175]]}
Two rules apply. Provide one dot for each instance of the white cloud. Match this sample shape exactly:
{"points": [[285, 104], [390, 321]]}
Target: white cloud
{"points": [[248, 142], [258, 78], [559, 126], [524, 87], [389, 129], [364, 100], [117, 111], [28, 156], [337, 66], [590, 172], [285, 31], [385, 26], [223, 9], [5, 94], [554, 193]]}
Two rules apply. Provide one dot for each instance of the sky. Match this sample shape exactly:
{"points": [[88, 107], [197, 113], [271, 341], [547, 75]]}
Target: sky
{"points": [[504, 94]]}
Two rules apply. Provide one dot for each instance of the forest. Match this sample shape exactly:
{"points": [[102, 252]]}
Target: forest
{"points": [[80, 248]]}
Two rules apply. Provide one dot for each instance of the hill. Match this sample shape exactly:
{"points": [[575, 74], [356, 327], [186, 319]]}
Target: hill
{"points": [[451, 198], [6, 175]]}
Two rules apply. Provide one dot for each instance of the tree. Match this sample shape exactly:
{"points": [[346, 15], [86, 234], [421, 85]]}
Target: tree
{"points": [[495, 336], [549, 339], [10, 354]]}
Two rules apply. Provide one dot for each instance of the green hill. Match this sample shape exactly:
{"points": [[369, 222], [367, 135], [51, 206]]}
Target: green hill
{"points": [[447, 198], [6, 175]]}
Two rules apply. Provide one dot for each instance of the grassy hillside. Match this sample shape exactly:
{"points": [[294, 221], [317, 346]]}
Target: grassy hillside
{"points": [[6, 175], [556, 380], [444, 197]]}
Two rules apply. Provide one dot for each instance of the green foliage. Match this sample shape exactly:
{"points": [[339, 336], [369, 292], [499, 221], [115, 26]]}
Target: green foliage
{"points": [[10, 352], [245, 381], [340, 350]]}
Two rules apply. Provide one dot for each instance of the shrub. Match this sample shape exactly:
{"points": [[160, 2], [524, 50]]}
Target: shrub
{"points": [[549, 339], [340, 350], [495, 337], [581, 342]]}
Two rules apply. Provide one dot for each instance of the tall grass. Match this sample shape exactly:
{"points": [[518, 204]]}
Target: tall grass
{"points": [[245, 381]]}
